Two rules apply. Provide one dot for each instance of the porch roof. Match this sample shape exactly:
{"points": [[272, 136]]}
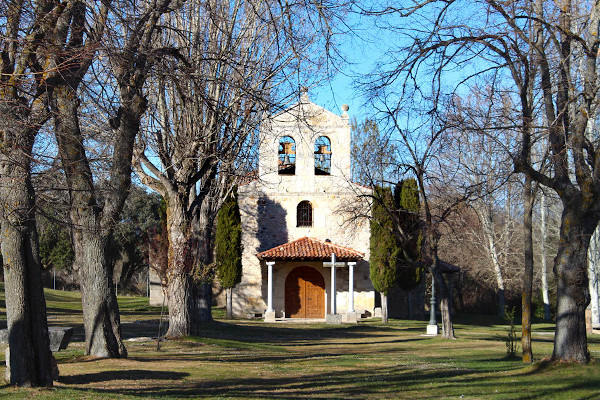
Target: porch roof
{"points": [[309, 249]]}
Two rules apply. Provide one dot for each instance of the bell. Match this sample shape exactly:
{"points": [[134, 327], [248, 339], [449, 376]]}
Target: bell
{"points": [[286, 160]]}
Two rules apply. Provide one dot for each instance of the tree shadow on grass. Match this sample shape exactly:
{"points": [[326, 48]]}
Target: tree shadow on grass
{"points": [[365, 343], [129, 330], [286, 334], [130, 374], [388, 382], [339, 384], [245, 358], [62, 311]]}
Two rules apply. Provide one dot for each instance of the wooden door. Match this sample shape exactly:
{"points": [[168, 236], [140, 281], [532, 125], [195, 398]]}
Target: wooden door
{"points": [[304, 293]]}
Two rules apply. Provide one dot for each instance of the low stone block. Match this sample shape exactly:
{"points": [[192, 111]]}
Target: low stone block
{"points": [[333, 319], [351, 318], [270, 316], [433, 330], [59, 337]]}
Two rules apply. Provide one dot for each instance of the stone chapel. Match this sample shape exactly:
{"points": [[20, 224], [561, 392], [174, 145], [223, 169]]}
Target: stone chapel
{"points": [[305, 255]]}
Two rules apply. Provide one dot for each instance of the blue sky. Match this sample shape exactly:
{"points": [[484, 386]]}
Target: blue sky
{"points": [[361, 49], [374, 40], [341, 90]]}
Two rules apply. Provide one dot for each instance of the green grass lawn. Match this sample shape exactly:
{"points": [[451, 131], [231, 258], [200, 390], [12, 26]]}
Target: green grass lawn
{"points": [[252, 360]]}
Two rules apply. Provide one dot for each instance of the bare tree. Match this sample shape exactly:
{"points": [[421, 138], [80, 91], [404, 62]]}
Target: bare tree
{"points": [[93, 216], [475, 149], [417, 139], [24, 40], [238, 57], [405, 147], [544, 272], [503, 42], [481, 135]]}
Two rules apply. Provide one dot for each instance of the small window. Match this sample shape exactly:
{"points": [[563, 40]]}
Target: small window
{"points": [[304, 214], [287, 156], [322, 156]]}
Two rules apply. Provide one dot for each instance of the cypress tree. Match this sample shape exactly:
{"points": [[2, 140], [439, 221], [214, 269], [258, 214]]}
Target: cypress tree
{"points": [[406, 199], [385, 249], [228, 248]]}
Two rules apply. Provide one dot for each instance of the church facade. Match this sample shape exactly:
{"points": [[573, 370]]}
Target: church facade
{"points": [[305, 247]]}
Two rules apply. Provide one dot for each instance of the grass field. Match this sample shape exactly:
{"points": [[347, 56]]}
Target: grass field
{"points": [[252, 360]]}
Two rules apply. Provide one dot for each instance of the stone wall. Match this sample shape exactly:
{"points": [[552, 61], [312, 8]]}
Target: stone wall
{"points": [[268, 209]]}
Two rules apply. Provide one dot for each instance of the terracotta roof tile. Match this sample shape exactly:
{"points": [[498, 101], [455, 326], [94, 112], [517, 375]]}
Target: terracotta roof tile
{"points": [[308, 248]]}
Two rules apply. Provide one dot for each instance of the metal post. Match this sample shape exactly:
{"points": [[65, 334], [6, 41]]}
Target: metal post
{"points": [[432, 320]]}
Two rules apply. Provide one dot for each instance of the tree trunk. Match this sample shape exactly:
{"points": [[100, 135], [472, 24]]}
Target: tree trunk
{"points": [[181, 293], [188, 305], [527, 273], [29, 357], [430, 257], [384, 308], [180, 299], [419, 299], [445, 302], [101, 319], [229, 303], [100, 308], [203, 306], [570, 268], [500, 302], [544, 235], [594, 275], [205, 257]]}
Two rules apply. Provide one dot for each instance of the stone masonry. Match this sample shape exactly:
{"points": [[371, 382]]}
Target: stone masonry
{"points": [[268, 209]]}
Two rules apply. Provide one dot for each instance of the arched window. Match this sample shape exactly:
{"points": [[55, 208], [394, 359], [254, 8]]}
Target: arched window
{"points": [[304, 213], [287, 156], [322, 156]]}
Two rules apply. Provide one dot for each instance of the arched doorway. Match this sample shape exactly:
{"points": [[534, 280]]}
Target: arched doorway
{"points": [[304, 293]]}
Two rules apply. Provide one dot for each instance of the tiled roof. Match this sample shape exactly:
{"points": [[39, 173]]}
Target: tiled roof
{"points": [[310, 249], [363, 186], [248, 178]]}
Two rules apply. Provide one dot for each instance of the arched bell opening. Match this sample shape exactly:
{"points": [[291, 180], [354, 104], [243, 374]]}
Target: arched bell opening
{"points": [[322, 156], [287, 156]]}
